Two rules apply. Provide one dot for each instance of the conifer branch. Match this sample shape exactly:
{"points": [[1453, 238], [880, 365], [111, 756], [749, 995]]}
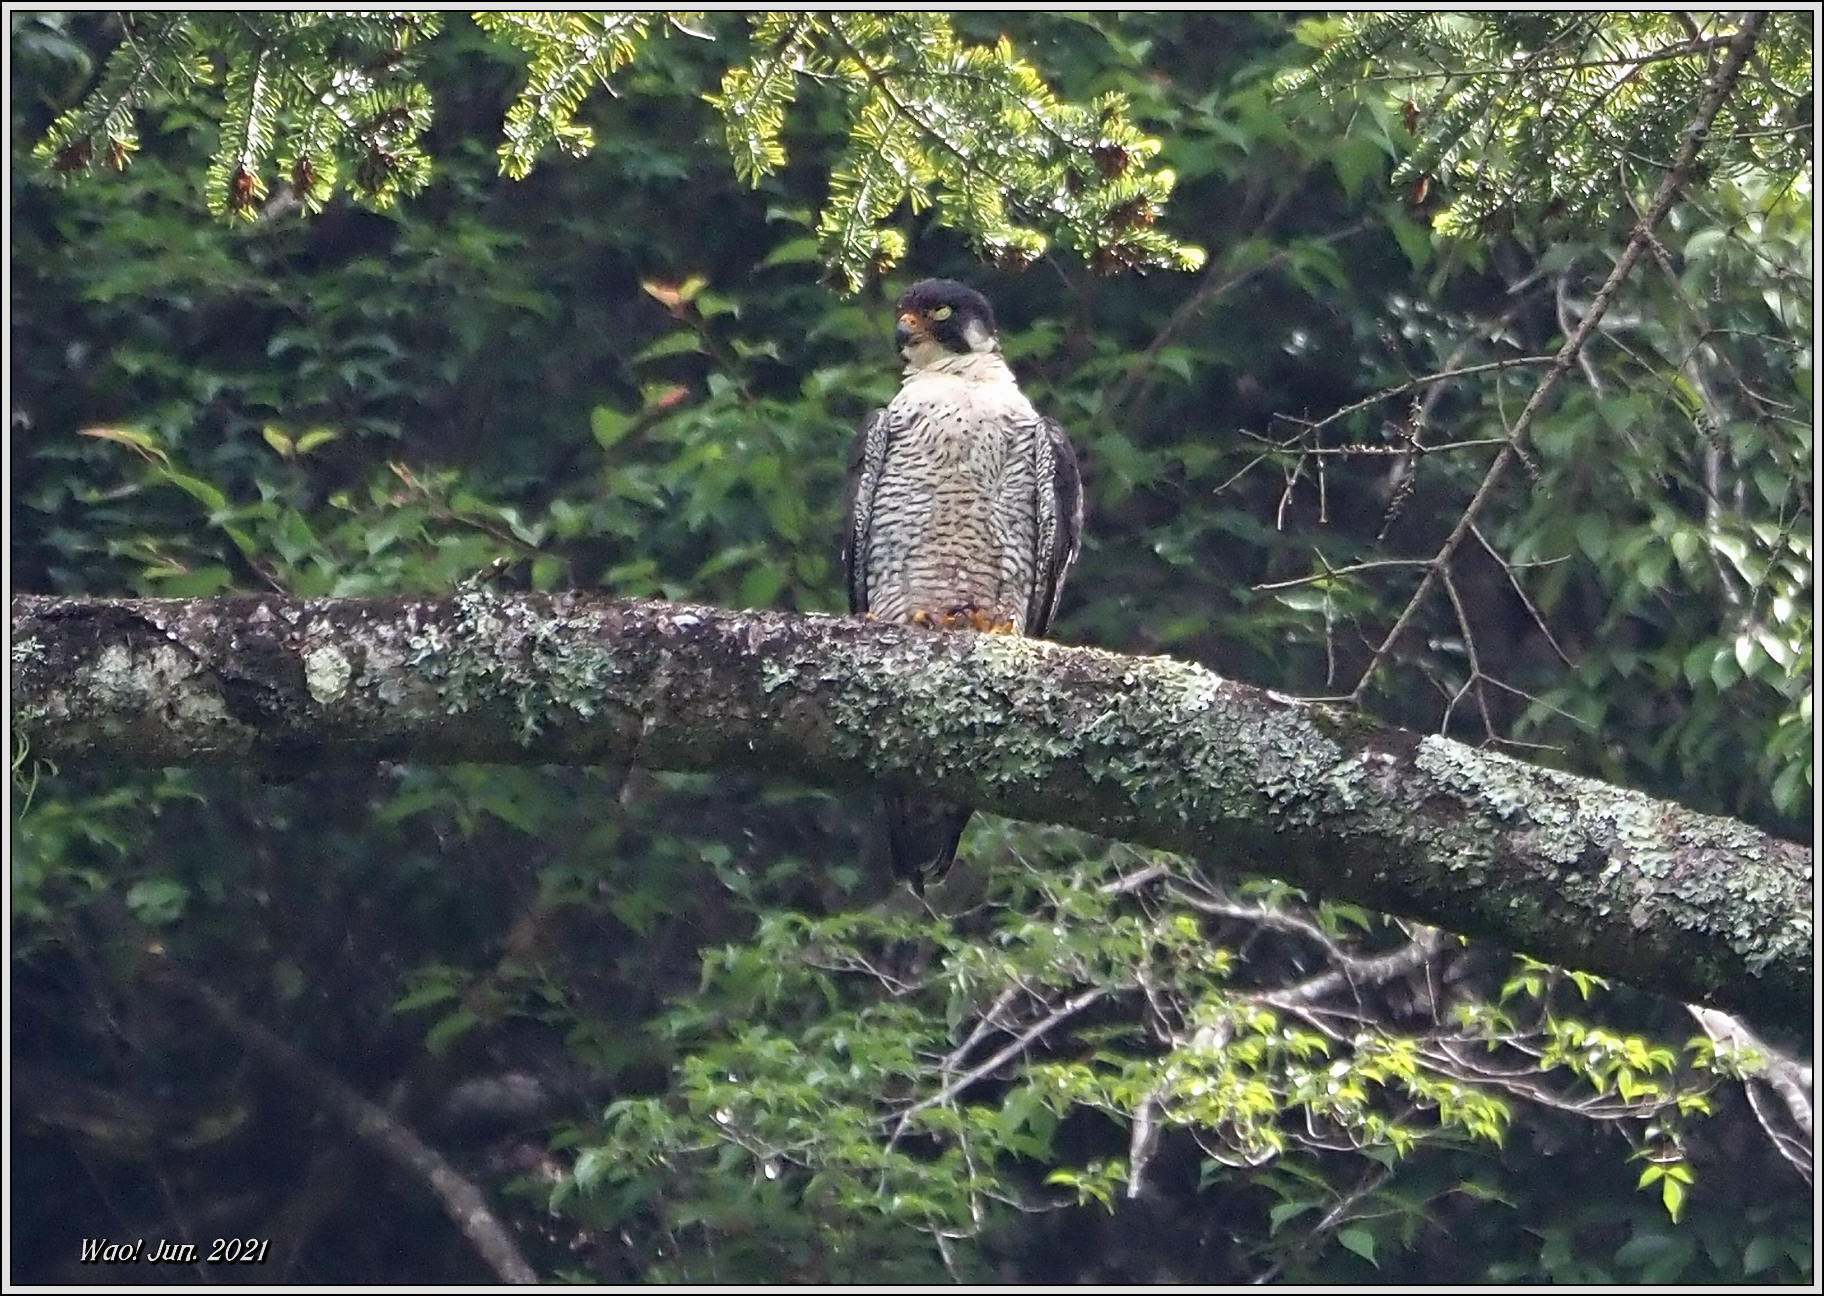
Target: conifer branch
{"points": [[1695, 135]]}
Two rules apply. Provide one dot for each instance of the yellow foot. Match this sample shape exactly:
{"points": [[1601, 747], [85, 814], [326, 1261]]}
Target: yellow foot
{"points": [[963, 618], [985, 624]]}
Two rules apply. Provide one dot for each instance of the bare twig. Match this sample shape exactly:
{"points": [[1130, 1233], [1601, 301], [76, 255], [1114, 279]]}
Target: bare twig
{"points": [[1694, 136], [1069, 1008], [1330, 572], [1377, 970], [1476, 674], [1333, 1217], [372, 1124], [1213, 902], [1786, 1076], [1424, 380], [1508, 569]]}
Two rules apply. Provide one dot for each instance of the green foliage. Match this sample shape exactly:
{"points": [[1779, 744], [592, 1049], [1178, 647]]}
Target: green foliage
{"points": [[1527, 121], [339, 103], [933, 1107], [970, 129], [333, 99], [571, 54]]}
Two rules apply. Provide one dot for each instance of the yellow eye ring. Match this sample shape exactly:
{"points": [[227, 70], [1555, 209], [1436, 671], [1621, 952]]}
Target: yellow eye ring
{"points": [[940, 313]]}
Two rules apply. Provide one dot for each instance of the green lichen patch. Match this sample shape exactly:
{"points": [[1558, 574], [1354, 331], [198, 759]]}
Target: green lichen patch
{"points": [[327, 672]]}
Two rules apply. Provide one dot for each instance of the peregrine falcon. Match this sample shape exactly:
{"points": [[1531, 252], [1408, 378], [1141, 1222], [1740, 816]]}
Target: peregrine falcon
{"points": [[964, 511]]}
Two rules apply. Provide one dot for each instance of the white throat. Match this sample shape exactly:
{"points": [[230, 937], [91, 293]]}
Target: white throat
{"points": [[981, 363], [973, 366]]}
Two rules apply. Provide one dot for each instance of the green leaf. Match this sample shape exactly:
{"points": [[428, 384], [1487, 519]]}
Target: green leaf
{"points": [[1285, 1211], [143, 442], [449, 1029], [157, 902], [793, 252], [1762, 1252], [1354, 160], [591, 1166], [676, 343], [1687, 547], [197, 489], [424, 996], [1413, 237], [760, 588], [316, 437], [1360, 1241], [608, 426]]}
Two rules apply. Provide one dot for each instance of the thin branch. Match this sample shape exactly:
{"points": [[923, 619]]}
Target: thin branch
{"points": [[1331, 572], [1210, 901], [1332, 1218], [1694, 136], [1358, 450], [1134, 881], [1476, 673], [372, 1124], [1069, 1008], [1359, 972], [1787, 1076], [1424, 380], [1508, 570]]}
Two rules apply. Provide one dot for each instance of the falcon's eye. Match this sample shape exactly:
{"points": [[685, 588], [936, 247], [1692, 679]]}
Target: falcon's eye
{"points": [[940, 313]]}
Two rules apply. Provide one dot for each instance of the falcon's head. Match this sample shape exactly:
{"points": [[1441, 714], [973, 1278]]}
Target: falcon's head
{"points": [[940, 318]]}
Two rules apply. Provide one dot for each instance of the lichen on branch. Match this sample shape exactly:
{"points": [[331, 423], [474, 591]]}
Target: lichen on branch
{"points": [[1149, 750]]}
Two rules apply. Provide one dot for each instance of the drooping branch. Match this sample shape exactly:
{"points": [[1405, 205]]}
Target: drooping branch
{"points": [[372, 1124], [1148, 750]]}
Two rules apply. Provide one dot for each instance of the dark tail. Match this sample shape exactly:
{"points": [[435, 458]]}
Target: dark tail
{"points": [[922, 837]]}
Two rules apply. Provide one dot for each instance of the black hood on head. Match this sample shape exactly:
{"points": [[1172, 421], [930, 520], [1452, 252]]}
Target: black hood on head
{"points": [[941, 310]]}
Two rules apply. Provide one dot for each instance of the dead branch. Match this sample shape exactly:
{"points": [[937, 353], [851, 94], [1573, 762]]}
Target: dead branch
{"points": [[372, 1124], [1694, 136]]}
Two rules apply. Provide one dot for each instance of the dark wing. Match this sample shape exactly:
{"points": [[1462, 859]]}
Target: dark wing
{"points": [[866, 455], [1060, 523]]}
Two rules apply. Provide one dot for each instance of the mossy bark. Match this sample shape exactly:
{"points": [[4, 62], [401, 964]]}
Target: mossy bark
{"points": [[1149, 750]]}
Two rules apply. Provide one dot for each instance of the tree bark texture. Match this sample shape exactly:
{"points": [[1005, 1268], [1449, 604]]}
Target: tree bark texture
{"points": [[1148, 750]]}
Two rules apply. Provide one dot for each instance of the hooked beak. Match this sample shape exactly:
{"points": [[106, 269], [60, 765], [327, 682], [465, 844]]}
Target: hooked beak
{"points": [[911, 329]]}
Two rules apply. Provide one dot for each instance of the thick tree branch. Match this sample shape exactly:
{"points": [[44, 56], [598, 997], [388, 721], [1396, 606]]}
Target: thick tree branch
{"points": [[1148, 750]]}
